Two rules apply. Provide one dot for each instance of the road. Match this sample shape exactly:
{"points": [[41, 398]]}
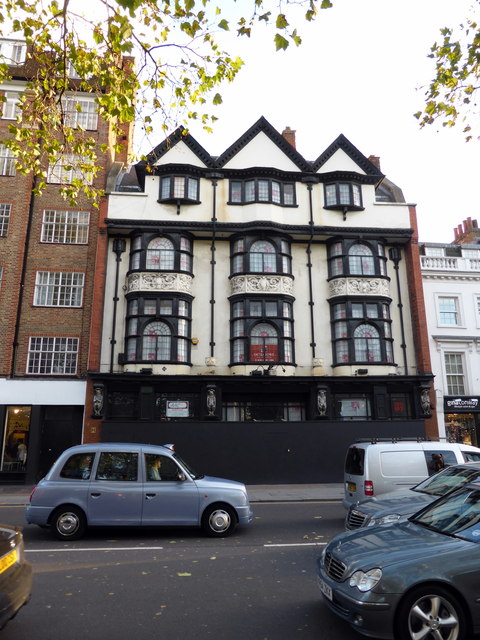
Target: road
{"points": [[258, 584]]}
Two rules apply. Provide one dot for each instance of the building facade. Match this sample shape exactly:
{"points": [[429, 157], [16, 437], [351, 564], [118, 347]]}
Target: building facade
{"points": [[451, 281], [47, 261], [259, 310]]}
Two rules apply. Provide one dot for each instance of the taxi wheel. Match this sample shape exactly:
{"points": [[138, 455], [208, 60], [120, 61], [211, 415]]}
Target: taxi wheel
{"points": [[68, 523], [431, 612], [219, 520]]}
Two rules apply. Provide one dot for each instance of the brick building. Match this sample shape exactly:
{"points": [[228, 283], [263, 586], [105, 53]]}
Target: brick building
{"points": [[47, 268], [259, 310]]}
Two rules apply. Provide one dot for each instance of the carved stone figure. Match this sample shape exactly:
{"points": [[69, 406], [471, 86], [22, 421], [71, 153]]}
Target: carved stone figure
{"points": [[425, 401], [98, 401], [322, 402], [211, 402]]}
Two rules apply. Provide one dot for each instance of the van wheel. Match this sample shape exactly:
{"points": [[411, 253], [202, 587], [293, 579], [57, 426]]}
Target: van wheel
{"points": [[69, 523], [219, 520], [431, 612]]}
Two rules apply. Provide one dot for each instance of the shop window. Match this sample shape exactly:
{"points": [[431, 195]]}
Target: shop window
{"points": [[15, 439], [265, 411], [352, 407]]}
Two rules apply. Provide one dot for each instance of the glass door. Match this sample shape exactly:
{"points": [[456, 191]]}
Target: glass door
{"points": [[15, 439]]}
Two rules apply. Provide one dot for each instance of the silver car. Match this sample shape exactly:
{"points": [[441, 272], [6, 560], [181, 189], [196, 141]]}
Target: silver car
{"points": [[132, 485], [413, 580], [397, 505]]}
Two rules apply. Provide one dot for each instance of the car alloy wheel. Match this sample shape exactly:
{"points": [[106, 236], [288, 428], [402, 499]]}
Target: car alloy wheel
{"points": [[431, 613]]}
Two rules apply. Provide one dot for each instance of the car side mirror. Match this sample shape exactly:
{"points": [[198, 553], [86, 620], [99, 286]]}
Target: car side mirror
{"points": [[181, 476]]}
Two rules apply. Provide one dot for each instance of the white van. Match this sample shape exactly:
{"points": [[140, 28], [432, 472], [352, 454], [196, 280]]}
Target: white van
{"points": [[376, 467]]}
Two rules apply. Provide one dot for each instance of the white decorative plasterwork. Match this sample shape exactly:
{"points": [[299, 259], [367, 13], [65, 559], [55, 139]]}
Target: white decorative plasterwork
{"points": [[262, 284], [359, 286], [179, 282]]}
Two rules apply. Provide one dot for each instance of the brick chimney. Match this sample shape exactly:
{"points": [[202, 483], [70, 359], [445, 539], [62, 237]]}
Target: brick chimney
{"points": [[375, 160], [289, 136], [468, 233]]}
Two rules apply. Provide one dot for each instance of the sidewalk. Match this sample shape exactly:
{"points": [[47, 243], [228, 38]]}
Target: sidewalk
{"points": [[19, 494]]}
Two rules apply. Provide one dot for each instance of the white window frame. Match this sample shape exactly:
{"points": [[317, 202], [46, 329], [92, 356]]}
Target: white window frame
{"points": [[59, 289], [13, 52], [458, 310], [11, 105], [461, 354], [80, 112], [52, 356], [5, 212], [65, 227], [7, 161], [67, 169], [435, 252]]}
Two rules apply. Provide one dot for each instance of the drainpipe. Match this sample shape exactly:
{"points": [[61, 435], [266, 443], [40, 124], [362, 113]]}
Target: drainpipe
{"points": [[119, 246], [396, 255], [214, 177], [309, 181], [28, 233]]}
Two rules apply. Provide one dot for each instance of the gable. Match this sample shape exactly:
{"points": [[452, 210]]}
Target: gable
{"points": [[261, 152]]}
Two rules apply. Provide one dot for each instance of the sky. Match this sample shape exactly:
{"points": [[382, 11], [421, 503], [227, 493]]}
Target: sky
{"points": [[362, 70]]}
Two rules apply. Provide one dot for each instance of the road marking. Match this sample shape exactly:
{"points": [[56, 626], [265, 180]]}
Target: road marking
{"points": [[95, 549], [298, 544]]}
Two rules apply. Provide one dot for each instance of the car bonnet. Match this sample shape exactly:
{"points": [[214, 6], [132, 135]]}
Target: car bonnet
{"points": [[389, 544]]}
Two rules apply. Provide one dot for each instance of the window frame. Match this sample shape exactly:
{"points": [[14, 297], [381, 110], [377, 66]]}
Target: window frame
{"points": [[7, 161], [460, 357], [58, 173], [241, 255], [247, 313], [345, 322], [456, 313], [355, 196], [173, 311], [182, 252], [174, 180], [88, 112], [42, 360], [255, 186], [341, 259], [5, 214], [80, 227], [56, 286], [10, 106]]}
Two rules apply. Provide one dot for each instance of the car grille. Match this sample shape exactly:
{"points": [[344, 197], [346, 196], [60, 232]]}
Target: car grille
{"points": [[333, 567], [355, 519]]}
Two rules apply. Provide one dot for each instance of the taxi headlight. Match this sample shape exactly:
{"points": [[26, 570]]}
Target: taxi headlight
{"points": [[392, 517], [365, 580]]}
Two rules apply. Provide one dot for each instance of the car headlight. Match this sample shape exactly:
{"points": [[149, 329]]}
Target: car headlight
{"points": [[392, 517], [365, 580]]}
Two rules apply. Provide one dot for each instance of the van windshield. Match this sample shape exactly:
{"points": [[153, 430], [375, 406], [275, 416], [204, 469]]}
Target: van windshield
{"points": [[354, 462]]}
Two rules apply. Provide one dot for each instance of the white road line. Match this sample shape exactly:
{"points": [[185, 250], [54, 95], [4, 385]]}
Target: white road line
{"points": [[95, 549], [298, 544]]}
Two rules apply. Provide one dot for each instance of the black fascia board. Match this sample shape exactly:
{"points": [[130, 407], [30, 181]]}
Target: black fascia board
{"points": [[263, 126], [357, 156]]}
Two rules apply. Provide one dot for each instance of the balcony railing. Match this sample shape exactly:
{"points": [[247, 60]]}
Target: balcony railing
{"points": [[444, 263]]}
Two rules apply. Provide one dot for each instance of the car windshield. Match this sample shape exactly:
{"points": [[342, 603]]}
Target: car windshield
{"points": [[191, 472], [447, 480], [456, 514]]}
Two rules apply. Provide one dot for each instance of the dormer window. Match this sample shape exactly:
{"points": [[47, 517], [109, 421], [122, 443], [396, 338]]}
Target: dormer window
{"points": [[340, 195], [179, 188], [262, 190]]}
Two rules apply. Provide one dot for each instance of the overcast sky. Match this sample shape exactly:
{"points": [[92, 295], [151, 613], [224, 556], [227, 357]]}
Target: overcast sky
{"points": [[360, 72]]}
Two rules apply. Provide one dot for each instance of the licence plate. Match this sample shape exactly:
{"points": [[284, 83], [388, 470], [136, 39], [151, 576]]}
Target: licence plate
{"points": [[351, 486], [326, 589], [8, 560]]}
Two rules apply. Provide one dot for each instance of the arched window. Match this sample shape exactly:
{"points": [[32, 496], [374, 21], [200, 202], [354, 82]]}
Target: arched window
{"points": [[156, 341], [360, 260], [160, 254], [264, 343], [263, 258], [366, 339]]}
